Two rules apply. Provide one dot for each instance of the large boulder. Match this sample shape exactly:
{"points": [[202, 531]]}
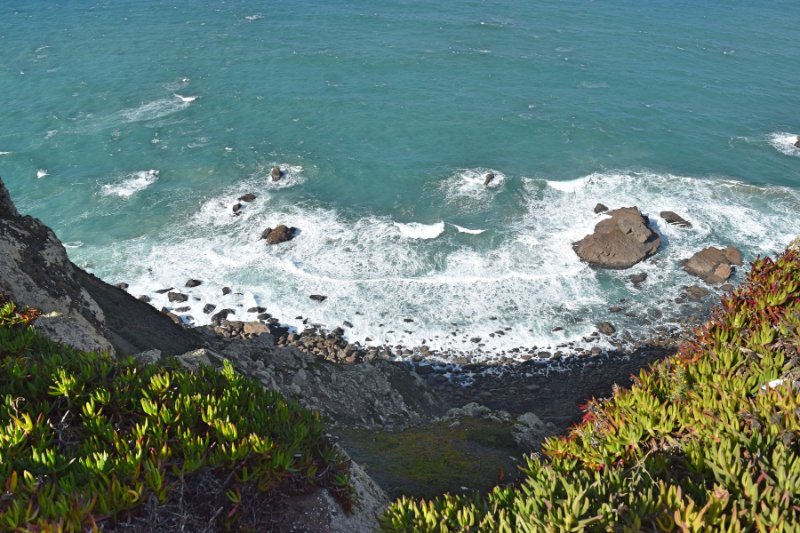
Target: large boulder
{"points": [[713, 265], [620, 241], [278, 235]]}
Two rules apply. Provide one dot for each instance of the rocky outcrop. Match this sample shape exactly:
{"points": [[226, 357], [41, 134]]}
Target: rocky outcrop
{"points": [[797, 142], [675, 219], [713, 265], [279, 234], [488, 178], [276, 173], [600, 208], [620, 241], [78, 309]]}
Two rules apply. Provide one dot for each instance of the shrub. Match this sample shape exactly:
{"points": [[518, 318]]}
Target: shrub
{"points": [[84, 437], [708, 439]]}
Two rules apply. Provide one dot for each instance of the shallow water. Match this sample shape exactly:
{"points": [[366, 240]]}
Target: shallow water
{"points": [[386, 119]]}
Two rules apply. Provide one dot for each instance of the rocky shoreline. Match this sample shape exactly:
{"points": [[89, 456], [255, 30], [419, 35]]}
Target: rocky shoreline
{"points": [[379, 400]]}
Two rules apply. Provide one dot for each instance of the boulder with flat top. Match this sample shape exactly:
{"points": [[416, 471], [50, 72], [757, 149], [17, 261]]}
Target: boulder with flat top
{"points": [[713, 265], [620, 241]]}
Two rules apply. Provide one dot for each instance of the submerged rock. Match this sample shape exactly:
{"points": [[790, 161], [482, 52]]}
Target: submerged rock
{"points": [[620, 241], [713, 265], [193, 283], [600, 208]]}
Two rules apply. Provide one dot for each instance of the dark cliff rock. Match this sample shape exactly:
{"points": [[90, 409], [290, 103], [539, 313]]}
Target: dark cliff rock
{"points": [[78, 309]]}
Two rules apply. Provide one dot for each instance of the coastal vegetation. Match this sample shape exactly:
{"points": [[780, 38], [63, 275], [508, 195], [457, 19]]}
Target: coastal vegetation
{"points": [[706, 440], [87, 440]]}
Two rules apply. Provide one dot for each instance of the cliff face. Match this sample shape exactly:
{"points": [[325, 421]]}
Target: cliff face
{"points": [[78, 309]]}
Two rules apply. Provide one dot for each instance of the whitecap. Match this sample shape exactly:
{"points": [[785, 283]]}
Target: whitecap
{"points": [[416, 230], [5, 153], [785, 143], [594, 85], [73, 244], [151, 110], [49, 134], [129, 184], [41, 173], [462, 229], [186, 99], [251, 18]]}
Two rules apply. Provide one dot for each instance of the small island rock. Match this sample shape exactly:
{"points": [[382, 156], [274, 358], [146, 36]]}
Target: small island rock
{"points": [[600, 208], [675, 219], [279, 234], [276, 173], [249, 197], [620, 241]]}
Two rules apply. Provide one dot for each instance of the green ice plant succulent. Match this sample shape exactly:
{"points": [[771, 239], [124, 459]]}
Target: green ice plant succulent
{"points": [[84, 437], [706, 440]]}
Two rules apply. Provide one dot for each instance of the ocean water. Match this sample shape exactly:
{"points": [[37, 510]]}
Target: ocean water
{"points": [[131, 128]]}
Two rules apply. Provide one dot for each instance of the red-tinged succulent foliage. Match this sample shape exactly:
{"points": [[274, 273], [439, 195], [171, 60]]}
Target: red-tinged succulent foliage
{"points": [[708, 439]]}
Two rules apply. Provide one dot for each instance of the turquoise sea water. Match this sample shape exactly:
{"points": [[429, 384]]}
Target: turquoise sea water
{"points": [[386, 117]]}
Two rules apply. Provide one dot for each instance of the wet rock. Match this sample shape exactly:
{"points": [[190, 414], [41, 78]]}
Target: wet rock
{"points": [[279, 234], [217, 318], [237, 208], [347, 324], [713, 265], [696, 292], [620, 241], [318, 297], [249, 197], [177, 297], [144, 298], [276, 173], [675, 219], [193, 283], [183, 309], [254, 329], [606, 328], [797, 142], [226, 291], [600, 208], [209, 308], [257, 309], [264, 316], [475, 340], [488, 178], [124, 286], [164, 291], [638, 278]]}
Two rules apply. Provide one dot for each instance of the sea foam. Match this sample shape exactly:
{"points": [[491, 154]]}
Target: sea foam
{"points": [[129, 184], [785, 143], [398, 289]]}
